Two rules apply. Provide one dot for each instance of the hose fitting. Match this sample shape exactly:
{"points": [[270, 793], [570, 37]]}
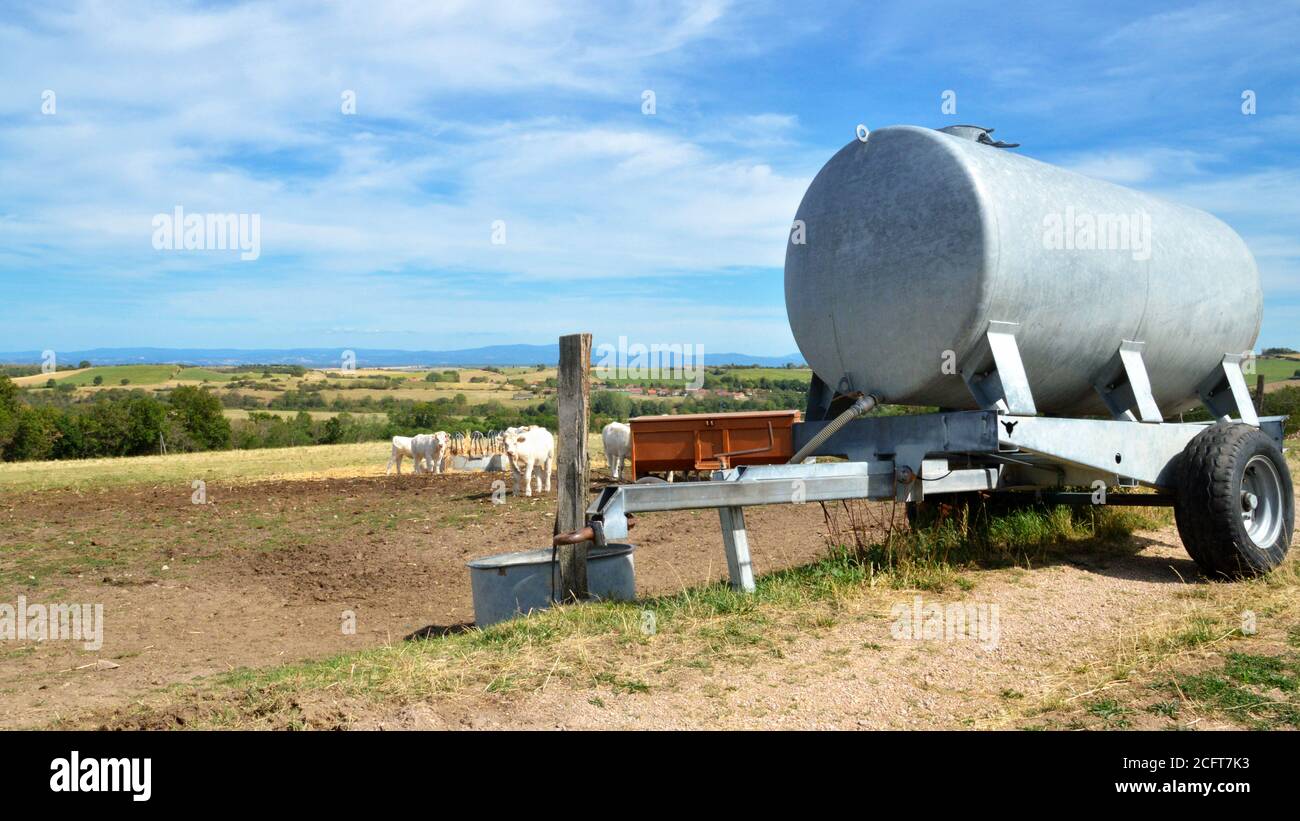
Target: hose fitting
{"points": [[864, 404]]}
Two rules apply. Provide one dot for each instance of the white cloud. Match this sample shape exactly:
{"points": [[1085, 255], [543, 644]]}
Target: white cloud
{"points": [[1128, 167], [197, 99]]}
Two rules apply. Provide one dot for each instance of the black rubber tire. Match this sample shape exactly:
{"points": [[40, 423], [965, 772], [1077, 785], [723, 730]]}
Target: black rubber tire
{"points": [[1208, 503]]}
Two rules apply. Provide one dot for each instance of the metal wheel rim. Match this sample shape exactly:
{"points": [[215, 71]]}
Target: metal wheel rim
{"points": [[1261, 502]]}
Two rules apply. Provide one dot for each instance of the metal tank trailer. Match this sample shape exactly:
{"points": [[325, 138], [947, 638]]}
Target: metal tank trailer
{"points": [[1054, 320]]}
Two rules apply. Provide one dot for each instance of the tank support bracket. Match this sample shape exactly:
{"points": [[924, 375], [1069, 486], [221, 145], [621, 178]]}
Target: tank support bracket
{"points": [[1125, 387], [1224, 391], [995, 375]]}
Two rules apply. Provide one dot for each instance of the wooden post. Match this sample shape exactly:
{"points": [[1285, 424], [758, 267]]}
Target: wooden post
{"points": [[1259, 393], [571, 477]]}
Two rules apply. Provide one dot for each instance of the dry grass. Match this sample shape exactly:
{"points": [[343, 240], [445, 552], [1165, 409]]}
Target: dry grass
{"points": [[240, 413], [229, 465], [1207, 626], [310, 462], [410, 384]]}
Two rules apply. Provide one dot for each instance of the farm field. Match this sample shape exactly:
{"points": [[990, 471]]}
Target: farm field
{"points": [[229, 613], [239, 413], [475, 384], [112, 375], [309, 462], [203, 375], [232, 466], [747, 376], [1276, 369]]}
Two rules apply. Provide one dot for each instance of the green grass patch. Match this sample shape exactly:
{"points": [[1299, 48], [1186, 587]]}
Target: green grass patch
{"points": [[1111, 712], [207, 375], [1275, 370], [948, 538], [366, 458], [114, 374], [1259, 691]]}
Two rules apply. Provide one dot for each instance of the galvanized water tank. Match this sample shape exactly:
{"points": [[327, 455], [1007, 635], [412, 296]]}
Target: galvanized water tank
{"points": [[914, 240], [509, 584]]}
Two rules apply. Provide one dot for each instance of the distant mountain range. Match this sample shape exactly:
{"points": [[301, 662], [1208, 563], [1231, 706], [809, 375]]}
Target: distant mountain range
{"points": [[365, 357]]}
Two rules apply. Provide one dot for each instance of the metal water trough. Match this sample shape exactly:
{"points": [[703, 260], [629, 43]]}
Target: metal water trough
{"points": [[510, 584], [494, 463]]}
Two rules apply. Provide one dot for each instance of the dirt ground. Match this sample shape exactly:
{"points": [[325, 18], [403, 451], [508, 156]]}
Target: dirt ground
{"points": [[857, 675], [263, 573]]}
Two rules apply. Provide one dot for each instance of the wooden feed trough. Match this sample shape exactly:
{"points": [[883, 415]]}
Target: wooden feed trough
{"points": [[711, 441]]}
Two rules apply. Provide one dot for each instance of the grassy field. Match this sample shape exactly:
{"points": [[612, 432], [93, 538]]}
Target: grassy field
{"points": [[205, 375], [239, 413], [747, 376], [230, 465], [316, 461], [110, 374], [407, 385], [1276, 370]]}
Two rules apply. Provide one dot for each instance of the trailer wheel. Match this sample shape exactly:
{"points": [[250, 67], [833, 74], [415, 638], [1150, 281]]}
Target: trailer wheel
{"points": [[1234, 505]]}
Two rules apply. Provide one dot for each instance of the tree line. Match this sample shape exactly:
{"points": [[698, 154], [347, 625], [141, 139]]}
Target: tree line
{"points": [[117, 423], [121, 422]]}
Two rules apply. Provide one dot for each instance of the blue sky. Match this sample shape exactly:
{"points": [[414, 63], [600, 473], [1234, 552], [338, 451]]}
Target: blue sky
{"points": [[671, 227]]}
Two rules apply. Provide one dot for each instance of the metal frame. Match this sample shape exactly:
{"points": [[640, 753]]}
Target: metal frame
{"points": [[1005, 446]]}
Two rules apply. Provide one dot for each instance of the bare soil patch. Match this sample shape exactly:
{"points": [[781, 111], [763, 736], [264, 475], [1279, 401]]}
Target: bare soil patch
{"points": [[262, 574]]}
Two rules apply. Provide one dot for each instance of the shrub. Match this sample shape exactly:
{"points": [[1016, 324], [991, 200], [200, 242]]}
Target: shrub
{"points": [[1284, 401]]}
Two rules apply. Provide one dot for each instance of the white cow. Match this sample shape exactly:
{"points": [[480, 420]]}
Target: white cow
{"points": [[431, 449], [504, 436], [401, 447], [527, 448], [499, 442], [618, 446]]}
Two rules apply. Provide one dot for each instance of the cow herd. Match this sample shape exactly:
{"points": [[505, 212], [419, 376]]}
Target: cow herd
{"points": [[529, 450]]}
